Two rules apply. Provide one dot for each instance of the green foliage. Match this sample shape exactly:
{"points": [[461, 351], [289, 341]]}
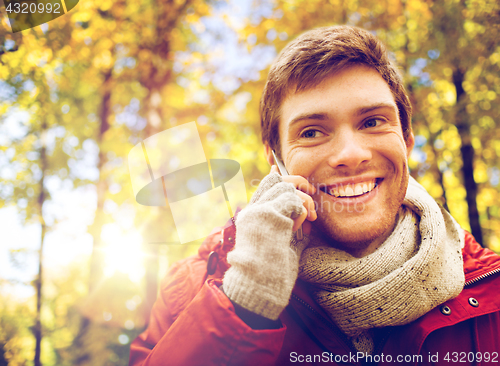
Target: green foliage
{"points": [[16, 341]]}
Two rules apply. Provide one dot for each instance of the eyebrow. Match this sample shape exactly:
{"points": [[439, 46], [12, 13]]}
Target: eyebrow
{"points": [[307, 116], [373, 107], [325, 116]]}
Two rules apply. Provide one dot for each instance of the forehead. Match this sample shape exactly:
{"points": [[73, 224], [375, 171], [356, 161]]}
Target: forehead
{"points": [[348, 92]]}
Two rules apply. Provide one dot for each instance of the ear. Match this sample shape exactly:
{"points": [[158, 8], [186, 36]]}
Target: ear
{"points": [[410, 144], [269, 154]]}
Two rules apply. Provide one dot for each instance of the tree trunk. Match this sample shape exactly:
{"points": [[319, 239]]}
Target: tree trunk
{"points": [[439, 173], [97, 258], [152, 232], [37, 329], [3, 361], [83, 354], [157, 76], [467, 152]]}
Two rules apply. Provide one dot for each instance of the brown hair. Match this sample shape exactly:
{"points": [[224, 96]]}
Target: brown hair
{"points": [[314, 56]]}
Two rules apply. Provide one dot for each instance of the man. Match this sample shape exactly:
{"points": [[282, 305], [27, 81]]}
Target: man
{"points": [[382, 275]]}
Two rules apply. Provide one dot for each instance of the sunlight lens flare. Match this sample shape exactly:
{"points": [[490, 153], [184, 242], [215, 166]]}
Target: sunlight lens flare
{"points": [[123, 252]]}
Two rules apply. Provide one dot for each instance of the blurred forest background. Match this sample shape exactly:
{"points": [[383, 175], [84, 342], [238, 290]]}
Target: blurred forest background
{"points": [[79, 269]]}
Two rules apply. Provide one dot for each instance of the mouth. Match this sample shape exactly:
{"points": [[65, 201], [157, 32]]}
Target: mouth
{"points": [[352, 189]]}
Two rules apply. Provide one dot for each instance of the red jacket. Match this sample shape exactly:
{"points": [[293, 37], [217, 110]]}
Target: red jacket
{"points": [[194, 323]]}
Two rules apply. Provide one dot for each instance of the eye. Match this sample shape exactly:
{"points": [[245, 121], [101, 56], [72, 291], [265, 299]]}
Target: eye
{"points": [[373, 122], [310, 134]]}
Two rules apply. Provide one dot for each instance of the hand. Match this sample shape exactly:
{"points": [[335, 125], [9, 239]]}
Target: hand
{"points": [[265, 259]]}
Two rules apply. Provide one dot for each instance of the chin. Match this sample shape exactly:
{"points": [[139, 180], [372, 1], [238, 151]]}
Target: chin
{"points": [[348, 236], [342, 237]]}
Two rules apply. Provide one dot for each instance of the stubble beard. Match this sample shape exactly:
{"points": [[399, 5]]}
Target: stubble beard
{"points": [[342, 236]]}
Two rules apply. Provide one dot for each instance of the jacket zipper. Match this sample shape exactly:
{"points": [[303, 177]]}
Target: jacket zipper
{"points": [[482, 277]]}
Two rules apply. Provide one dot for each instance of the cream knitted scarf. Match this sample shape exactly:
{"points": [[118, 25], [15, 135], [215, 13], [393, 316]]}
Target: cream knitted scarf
{"points": [[417, 268]]}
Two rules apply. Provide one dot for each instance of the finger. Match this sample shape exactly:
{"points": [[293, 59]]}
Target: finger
{"points": [[274, 169], [299, 220], [309, 205], [300, 183]]}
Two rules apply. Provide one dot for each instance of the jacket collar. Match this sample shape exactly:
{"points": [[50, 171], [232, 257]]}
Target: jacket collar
{"points": [[479, 262]]}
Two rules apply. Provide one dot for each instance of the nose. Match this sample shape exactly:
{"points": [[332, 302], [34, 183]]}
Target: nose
{"points": [[349, 150]]}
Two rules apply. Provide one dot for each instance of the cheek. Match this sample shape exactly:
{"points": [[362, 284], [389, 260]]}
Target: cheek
{"points": [[301, 162], [394, 150]]}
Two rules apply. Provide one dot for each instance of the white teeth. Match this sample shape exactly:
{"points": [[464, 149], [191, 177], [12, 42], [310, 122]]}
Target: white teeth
{"points": [[351, 190], [358, 190]]}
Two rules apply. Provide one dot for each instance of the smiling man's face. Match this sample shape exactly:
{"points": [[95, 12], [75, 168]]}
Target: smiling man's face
{"points": [[345, 137]]}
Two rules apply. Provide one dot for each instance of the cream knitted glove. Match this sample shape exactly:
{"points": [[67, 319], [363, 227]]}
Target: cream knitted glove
{"points": [[265, 259]]}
